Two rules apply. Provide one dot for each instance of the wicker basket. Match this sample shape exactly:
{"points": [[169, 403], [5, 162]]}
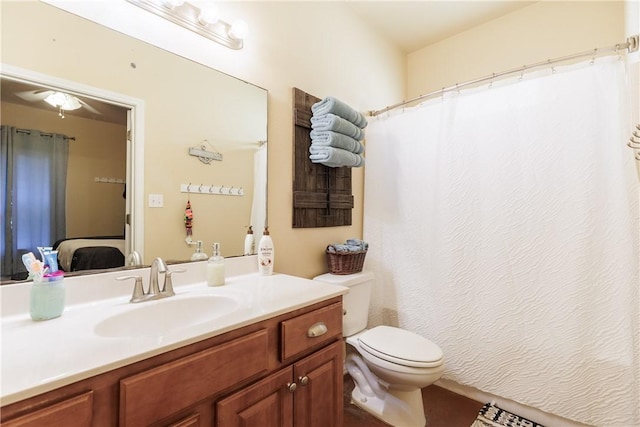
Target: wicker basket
{"points": [[345, 262]]}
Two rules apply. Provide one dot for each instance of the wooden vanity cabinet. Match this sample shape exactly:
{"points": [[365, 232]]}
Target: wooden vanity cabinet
{"points": [[243, 376], [303, 394], [76, 411]]}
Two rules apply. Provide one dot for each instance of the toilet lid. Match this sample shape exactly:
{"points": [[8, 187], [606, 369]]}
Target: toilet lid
{"points": [[401, 346]]}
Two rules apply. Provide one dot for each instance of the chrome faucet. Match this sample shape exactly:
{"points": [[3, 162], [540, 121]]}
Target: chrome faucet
{"points": [[158, 266]]}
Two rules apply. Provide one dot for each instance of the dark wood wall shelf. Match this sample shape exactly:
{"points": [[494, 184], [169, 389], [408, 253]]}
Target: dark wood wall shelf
{"points": [[321, 195]]}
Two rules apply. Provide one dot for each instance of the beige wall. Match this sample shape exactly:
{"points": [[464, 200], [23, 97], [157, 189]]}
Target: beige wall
{"points": [[318, 47], [99, 150], [544, 30], [323, 49]]}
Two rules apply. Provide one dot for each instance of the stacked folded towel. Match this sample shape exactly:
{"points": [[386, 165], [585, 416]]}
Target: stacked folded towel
{"points": [[336, 134], [339, 108], [334, 157], [337, 140], [351, 245]]}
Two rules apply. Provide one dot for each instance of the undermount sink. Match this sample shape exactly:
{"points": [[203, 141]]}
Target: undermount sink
{"points": [[162, 316]]}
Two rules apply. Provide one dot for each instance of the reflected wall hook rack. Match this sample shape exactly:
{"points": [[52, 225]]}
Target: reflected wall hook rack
{"points": [[220, 190]]}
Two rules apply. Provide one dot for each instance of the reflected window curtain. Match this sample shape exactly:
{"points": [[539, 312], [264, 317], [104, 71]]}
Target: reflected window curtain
{"points": [[33, 193]]}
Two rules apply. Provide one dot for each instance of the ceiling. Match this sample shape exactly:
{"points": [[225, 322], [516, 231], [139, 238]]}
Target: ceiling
{"points": [[11, 90], [412, 25]]}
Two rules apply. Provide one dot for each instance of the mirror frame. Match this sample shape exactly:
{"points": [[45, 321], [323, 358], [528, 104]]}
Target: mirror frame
{"points": [[135, 144]]}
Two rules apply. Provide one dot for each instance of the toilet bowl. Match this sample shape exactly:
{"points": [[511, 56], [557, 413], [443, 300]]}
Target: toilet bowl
{"points": [[389, 365]]}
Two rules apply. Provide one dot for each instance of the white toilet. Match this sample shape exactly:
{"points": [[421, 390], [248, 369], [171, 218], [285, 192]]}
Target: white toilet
{"points": [[389, 365]]}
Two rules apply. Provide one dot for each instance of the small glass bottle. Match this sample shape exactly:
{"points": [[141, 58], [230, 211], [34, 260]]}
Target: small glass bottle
{"points": [[215, 267]]}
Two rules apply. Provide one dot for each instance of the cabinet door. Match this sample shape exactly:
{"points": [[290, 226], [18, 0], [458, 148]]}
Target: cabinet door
{"points": [[77, 411], [190, 421], [318, 398], [268, 402]]}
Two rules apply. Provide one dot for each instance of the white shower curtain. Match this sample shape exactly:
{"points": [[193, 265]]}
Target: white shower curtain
{"points": [[259, 202], [503, 225]]}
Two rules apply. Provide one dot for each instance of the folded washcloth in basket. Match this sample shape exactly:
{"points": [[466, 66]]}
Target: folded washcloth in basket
{"points": [[358, 243], [337, 140], [352, 245], [339, 108], [337, 124], [335, 157]]}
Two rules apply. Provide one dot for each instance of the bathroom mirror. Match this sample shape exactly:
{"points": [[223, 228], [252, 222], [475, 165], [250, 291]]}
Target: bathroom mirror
{"points": [[185, 108]]}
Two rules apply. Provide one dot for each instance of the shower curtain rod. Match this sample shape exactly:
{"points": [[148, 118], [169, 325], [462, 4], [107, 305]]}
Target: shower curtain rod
{"points": [[631, 45]]}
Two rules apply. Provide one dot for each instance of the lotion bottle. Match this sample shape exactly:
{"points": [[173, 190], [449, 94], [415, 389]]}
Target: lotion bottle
{"points": [[265, 254], [198, 255], [249, 243], [215, 267]]}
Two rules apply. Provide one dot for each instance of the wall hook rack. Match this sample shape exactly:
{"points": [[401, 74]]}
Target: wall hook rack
{"points": [[212, 190]]}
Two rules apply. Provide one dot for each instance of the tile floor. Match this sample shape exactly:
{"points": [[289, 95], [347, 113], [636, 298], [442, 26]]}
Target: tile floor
{"points": [[442, 408]]}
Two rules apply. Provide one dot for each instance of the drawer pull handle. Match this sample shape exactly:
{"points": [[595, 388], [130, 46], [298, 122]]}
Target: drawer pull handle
{"points": [[291, 387], [303, 380], [317, 330]]}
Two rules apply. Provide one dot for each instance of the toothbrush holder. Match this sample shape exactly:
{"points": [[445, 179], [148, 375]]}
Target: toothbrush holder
{"points": [[47, 298]]}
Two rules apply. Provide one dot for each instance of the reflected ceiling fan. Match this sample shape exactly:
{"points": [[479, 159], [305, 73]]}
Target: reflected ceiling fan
{"points": [[61, 100]]}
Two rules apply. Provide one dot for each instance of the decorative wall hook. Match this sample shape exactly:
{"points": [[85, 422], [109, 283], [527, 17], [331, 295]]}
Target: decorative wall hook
{"points": [[204, 155]]}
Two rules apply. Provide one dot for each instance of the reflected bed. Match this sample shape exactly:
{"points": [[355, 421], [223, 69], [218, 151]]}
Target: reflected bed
{"points": [[90, 253]]}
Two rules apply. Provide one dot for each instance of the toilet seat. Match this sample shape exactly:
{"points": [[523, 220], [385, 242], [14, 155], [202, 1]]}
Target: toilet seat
{"points": [[401, 347]]}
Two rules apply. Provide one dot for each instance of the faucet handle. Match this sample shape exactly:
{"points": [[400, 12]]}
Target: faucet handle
{"points": [[167, 289], [138, 289]]}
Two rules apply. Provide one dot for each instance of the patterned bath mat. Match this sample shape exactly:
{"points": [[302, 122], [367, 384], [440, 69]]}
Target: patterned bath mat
{"points": [[492, 416]]}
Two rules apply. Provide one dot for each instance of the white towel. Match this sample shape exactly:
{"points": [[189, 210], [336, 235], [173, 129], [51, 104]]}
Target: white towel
{"points": [[338, 124], [337, 140], [339, 108], [335, 157]]}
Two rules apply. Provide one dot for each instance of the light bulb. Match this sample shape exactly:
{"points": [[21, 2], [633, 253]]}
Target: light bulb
{"points": [[63, 100], [208, 15], [173, 3], [239, 30]]}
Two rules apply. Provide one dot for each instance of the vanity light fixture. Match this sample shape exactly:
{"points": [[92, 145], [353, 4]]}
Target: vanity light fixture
{"points": [[63, 101], [201, 19]]}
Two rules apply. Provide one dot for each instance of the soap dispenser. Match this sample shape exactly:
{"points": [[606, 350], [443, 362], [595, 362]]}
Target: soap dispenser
{"points": [[266, 253], [198, 255], [249, 243], [215, 267]]}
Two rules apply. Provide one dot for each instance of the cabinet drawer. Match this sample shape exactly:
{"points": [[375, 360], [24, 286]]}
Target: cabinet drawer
{"points": [[77, 411], [310, 330], [159, 392]]}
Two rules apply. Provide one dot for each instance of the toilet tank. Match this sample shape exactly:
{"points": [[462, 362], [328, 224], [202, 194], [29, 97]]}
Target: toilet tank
{"points": [[355, 303]]}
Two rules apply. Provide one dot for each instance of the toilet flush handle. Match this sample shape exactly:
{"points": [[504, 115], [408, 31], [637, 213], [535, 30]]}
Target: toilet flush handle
{"points": [[317, 330]]}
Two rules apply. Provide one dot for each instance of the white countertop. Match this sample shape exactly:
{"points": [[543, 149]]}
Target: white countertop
{"points": [[42, 356]]}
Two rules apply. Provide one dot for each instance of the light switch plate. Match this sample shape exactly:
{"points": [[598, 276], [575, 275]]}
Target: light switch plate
{"points": [[155, 201]]}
